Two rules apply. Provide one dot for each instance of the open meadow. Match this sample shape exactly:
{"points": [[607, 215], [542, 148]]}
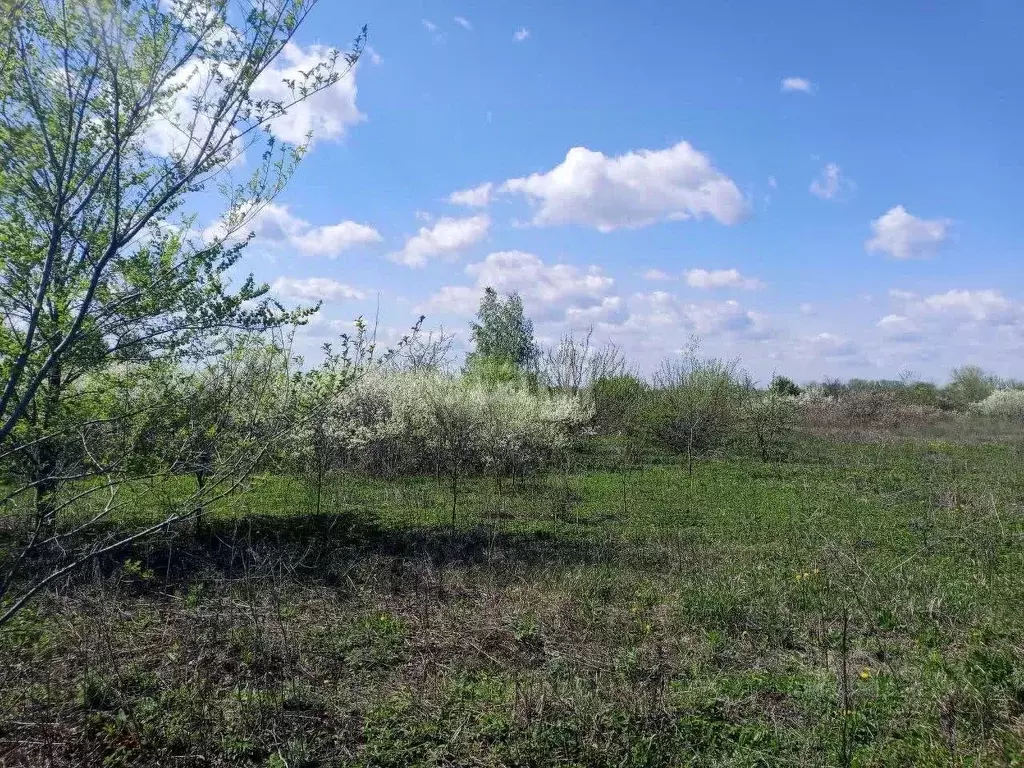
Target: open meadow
{"points": [[859, 603]]}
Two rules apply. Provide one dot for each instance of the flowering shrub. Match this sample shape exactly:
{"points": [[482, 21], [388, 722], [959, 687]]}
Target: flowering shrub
{"points": [[1003, 403], [769, 418], [393, 423]]}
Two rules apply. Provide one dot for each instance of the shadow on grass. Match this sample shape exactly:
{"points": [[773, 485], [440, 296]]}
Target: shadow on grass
{"points": [[324, 549]]}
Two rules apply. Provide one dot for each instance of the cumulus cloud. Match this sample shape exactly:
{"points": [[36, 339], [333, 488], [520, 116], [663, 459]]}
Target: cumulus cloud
{"points": [[831, 184], [549, 291], [831, 345], [276, 226], [610, 309], [314, 289], [521, 35], [476, 197], [985, 306], [528, 274], [656, 274], [797, 85], [428, 25], [659, 317], [631, 190], [904, 236], [326, 114], [463, 22], [899, 328], [445, 237], [945, 320], [720, 278]]}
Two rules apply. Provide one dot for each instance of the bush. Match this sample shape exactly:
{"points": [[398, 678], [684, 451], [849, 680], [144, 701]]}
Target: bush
{"points": [[970, 384], [782, 385], [1001, 404], [618, 400], [769, 419], [695, 405], [490, 371], [862, 410], [402, 423]]}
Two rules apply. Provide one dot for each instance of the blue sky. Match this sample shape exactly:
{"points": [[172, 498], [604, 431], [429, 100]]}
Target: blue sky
{"points": [[819, 189]]}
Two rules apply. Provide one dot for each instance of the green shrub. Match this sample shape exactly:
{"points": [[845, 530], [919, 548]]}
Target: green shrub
{"points": [[782, 385], [970, 384], [618, 400], [695, 406], [490, 371]]}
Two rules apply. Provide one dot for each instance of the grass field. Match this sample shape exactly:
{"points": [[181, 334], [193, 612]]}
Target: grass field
{"points": [[859, 604]]}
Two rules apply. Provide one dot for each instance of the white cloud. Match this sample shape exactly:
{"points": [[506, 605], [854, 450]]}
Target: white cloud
{"points": [[656, 274], [521, 35], [831, 345], [943, 320], [549, 291], [170, 129], [314, 289], [807, 309], [327, 113], [772, 182], [446, 236], [797, 84], [904, 236], [177, 128], [987, 306], [375, 57], [831, 184], [720, 278], [429, 25], [659, 319], [276, 226], [463, 22], [332, 239], [477, 197], [631, 190], [525, 272], [899, 328], [452, 300], [610, 309]]}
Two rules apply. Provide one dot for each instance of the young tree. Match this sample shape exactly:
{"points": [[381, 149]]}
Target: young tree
{"points": [[696, 404], [574, 364], [785, 386], [113, 115], [970, 384], [503, 331], [430, 351]]}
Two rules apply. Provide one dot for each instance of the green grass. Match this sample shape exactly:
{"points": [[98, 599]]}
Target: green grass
{"points": [[594, 617]]}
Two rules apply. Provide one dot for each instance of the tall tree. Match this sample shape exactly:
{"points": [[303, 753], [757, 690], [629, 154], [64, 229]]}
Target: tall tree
{"points": [[114, 115], [503, 332]]}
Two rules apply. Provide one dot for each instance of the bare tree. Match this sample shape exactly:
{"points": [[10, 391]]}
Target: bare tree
{"points": [[430, 351], [574, 365]]}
